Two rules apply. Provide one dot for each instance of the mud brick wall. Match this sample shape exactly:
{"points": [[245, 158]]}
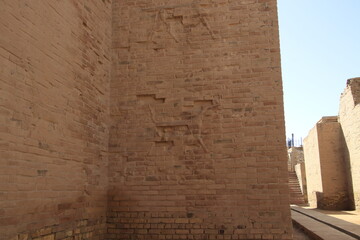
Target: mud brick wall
{"points": [[295, 156], [349, 116], [54, 98], [197, 144], [312, 166], [325, 166]]}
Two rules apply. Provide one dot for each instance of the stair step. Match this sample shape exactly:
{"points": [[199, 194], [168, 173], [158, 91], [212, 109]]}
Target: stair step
{"points": [[296, 196]]}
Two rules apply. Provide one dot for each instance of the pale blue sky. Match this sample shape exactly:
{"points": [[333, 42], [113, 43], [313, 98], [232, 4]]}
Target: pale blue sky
{"points": [[320, 50]]}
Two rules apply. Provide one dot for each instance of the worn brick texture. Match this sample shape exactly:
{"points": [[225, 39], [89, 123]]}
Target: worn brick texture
{"points": [[349, 116], [325, 166], [54, 112], [133, 119], [197, 132]]}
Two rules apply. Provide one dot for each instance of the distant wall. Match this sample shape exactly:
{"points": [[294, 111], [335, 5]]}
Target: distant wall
{"points": [[312, 166], [349, 117], [54, 97], [301, 175], [335, 194], [324, 159], [295, 156]]}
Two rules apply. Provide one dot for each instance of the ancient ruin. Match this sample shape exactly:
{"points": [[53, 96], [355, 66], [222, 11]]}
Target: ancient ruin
{"points": [[131, 119], [332, 151], [297, 177]]}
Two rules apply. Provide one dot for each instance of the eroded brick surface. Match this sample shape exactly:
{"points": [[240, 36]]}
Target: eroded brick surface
{"points": [[80, 229], [190, 136], [54, 97], [196, 142]]}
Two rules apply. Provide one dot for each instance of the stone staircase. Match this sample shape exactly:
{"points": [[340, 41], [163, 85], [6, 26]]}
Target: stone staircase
{"points": [[296, 197]]}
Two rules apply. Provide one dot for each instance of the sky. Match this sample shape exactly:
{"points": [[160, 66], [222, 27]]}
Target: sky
{"points": [[320, 50]]}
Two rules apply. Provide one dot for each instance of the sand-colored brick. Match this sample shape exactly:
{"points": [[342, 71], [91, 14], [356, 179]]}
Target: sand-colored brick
{"points": [[349, 115], [201, 120], [325, 166], [54, 98], [141, 120]]}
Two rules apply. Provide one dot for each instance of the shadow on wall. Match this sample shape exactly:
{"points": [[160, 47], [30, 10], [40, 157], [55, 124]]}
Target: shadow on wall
{"points": [[348, 173], [340, 202]]}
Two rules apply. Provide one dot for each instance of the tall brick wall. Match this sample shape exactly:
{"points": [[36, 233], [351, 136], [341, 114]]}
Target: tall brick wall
{"points": [[312, 166], [54, 97], [349, 115], [185, 139], [334, 182], [197, 132], [325, 168]]}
